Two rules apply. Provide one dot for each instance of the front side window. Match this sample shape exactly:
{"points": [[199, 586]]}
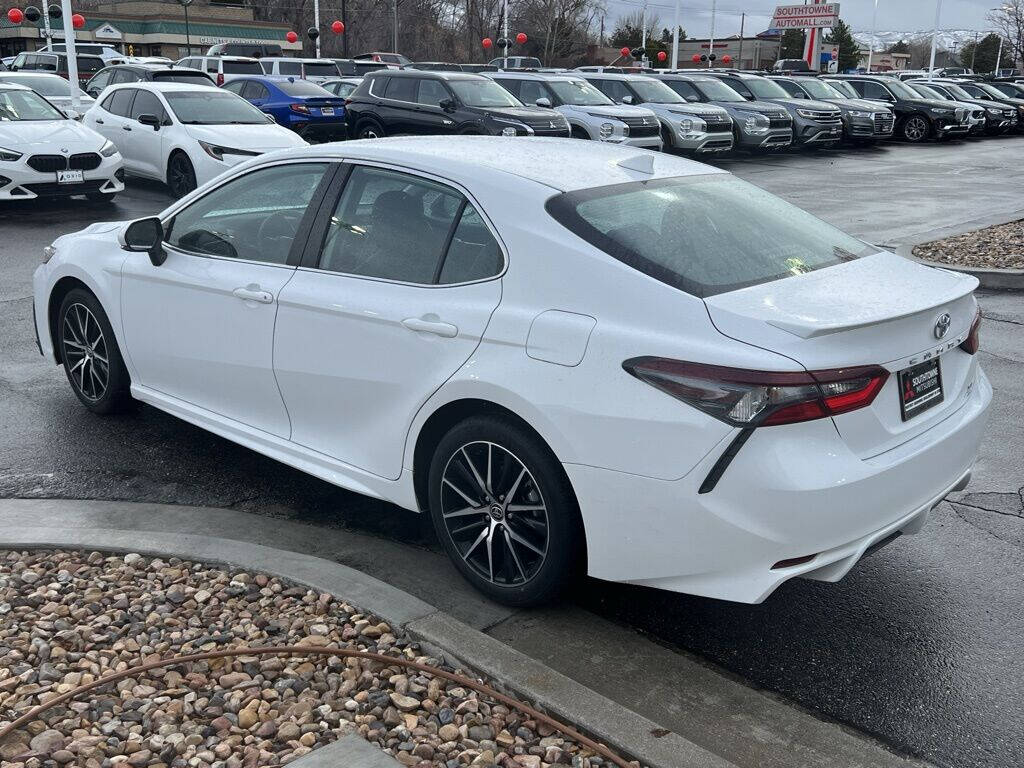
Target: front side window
{"points": [[212, 106], [579, 93], [530, 91], [876, 91], [147, 103], [651, 91], [431, 92], [254, 217], [763, 88], [684, 89], [716, 90], [704, 234], [791, 88], [395, 226], [740, 86], [614, 90]]}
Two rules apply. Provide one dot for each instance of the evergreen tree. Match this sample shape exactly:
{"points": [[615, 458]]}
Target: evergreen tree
{"points": [[983, 55], [792, 44], [899, 47]]}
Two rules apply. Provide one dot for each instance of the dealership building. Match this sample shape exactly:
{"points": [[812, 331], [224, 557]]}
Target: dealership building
{"points": [[152, 28]]}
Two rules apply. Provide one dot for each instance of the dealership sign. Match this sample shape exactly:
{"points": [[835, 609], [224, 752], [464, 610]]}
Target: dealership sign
{"points": [[805, 16]]}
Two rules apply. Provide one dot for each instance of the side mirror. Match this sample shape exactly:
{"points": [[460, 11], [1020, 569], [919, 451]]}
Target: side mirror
{"points": [[799, 95], [543, 101], [151, 120], [448, 105], [270, 118], [72, 114], [627, 99], [145, 236]]}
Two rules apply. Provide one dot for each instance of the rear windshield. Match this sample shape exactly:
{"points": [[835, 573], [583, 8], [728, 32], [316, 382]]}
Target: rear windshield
{"points": [[302, 88], [322, 69], [704, 234], [242, 67], [193, 78], [87, 63]]}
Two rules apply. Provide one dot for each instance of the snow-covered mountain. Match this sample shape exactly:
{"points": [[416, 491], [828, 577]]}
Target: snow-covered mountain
{"points": [[946, 41]]}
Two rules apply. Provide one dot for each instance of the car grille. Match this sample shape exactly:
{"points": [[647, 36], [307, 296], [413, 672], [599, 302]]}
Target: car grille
{"points": [[780, 122], [884, 122], [546, 127], [86, 161], [716, 122], [642, 126], [53, 188], [824, 116]]}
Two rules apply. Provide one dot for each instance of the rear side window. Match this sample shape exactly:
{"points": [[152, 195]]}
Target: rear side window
{"points": [[242, 68], [400, 227], [401, 89], [704, 234], [321, 69], [289, 68], [182, 77], [303, 88]]}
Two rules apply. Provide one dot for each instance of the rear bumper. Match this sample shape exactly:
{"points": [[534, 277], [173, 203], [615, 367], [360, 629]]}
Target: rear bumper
{"points": [[791, 492]]}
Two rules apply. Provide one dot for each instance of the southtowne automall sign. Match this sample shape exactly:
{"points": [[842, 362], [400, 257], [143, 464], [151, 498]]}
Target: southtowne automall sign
{"points": [[805, 16]]}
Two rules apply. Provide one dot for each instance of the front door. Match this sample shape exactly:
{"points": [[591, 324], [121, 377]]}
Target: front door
{"points": [[431, 119], [200, 327], [399, 287]]}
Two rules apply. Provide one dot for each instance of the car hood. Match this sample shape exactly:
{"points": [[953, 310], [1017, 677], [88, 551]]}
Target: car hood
{"points": [[613, 110], [762, 107], [825, 106], [524, 113], [50, 136], [692, 108], [862, 105], [930, 103], [257, 138]]}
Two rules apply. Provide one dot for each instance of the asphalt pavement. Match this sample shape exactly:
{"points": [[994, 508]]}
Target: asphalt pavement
{"points": [[918, 646]]}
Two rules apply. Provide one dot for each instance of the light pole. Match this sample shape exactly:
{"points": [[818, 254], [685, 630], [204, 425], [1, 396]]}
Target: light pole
{"points": [[935, 37], [675, 37], [711, 42], [69, 49], [874, 39], [188, 37]]}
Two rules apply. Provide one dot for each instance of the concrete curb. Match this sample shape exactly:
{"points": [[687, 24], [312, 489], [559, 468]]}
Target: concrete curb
{"points": [[632, 735], [990, 279]]}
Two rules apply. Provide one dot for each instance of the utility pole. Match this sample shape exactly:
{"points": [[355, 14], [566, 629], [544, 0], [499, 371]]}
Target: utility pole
{"points": [[711, 42], [874, 38], [999, 56], [504, 36], [188, 37], [675, 37], [316, 23], [344, 38], [69, 50], [643, 33], [935, 38], [394, 36], [974, 51], [739, 56]]}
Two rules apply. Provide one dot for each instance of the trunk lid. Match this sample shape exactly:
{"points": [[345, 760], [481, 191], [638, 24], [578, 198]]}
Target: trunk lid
{"points": [[877, 310]]}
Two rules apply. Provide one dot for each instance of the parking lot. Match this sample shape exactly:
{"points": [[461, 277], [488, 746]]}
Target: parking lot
{"points": [[918, 646]]}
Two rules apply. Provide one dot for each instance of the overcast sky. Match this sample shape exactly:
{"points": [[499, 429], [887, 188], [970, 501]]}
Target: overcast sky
{"points": [[896, 15]]}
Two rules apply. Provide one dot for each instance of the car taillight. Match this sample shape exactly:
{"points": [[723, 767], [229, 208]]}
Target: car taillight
{"points": [[347, 102], [302, 109], [220, 78], [746, 398], [971, 343]]}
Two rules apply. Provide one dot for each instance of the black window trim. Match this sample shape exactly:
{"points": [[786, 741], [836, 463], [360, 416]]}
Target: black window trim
{"points": [[302, 234], [318, 235]]}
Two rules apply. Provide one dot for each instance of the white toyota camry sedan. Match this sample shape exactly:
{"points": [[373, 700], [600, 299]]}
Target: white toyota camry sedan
{"points": [[45, 153], [574, 357], [182, 134]]}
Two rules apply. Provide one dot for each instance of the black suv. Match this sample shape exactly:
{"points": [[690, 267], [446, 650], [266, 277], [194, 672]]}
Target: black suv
{"points": [[917, 118], [136, 73], [815, 123], [413, 102]]}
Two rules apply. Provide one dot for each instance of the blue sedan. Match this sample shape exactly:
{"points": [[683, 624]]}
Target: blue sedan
{"points": [[313, 112]]}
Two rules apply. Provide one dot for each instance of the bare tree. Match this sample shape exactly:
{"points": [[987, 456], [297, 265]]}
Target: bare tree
{"points": [[1009, 22]]}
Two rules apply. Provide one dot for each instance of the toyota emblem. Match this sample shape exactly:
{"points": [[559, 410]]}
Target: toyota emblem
{"points": [[942, 325]]}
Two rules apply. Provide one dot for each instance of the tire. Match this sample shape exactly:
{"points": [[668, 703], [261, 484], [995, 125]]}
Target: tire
{"points": [[519, 557], [579, 133], [101, 197], [916, 129], [370, 129], [181, 176], [92, 360], [667, 143]]}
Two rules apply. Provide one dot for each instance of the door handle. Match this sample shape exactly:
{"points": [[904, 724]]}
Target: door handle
{"points": [[99, 122], [126, 127], [253, 293], [436, 327]]}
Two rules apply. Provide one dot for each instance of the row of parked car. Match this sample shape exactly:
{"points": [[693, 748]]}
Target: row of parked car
{"points": [[174, 124]]}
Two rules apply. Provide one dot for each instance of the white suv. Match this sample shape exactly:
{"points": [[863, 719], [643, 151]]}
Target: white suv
{"points": [[314, 70], [108, 53], [590, 113], [223, 68]]}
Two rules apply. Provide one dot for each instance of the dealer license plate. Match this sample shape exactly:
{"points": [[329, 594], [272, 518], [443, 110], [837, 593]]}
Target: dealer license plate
{"points": [[920, 388], [325, 111], [70, 177]]}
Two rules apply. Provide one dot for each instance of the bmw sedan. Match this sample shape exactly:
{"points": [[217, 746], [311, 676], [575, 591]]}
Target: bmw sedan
{"points": [[574, 357]]}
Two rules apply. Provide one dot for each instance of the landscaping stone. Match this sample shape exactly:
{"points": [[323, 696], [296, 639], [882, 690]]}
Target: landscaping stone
{"points": [[998, 247]]}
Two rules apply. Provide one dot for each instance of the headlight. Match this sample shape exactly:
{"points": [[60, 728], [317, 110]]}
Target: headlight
{"points": [[692, 125], [606, 130], [48, 253], [108, 149], [940, 111], [756, 124], [858, 113], [217, 152], [9, 155], [510, 131], [993, 111]]}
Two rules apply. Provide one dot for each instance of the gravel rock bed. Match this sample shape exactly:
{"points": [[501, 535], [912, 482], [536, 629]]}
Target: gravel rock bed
{"points": [[999, 247], [67, 618]]}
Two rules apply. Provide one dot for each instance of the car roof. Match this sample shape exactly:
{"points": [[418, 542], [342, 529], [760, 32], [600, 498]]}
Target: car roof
{"points": [[621, 76], [560, 164], [161, 86], [546, 76], [6, 85], [437, 73], [224, 58]]}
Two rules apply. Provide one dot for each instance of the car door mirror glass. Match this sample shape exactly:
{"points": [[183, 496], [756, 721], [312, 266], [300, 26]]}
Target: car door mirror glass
{"points": [[145, 236], [150, 120], [543, 102], [627, 99], [72, 114], [448, 105]]}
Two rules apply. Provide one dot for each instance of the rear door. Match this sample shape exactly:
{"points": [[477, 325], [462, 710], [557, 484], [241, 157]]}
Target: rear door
{"points": [[396, 289], [399, 108]]}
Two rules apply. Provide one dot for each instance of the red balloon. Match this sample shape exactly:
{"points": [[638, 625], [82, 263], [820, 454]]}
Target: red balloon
{"points": [[486, 42], [521, 38], [726, 59], [662, 55], [696, 58], [291, 37], [15, 16], [624, 51], [77, 20], [337, 27]]}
